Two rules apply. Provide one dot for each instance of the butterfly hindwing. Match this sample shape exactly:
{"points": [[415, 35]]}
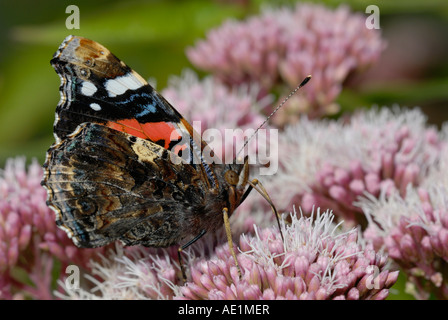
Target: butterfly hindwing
{"points": [[106, 185]]}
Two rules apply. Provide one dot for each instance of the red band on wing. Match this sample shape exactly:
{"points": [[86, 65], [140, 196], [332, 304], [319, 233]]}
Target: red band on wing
{"points": [[154, 131]]}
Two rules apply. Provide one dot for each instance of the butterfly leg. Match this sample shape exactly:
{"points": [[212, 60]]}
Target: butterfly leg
{"points": [[249, 189], [255, 184], [225, 214], [181, 248]]}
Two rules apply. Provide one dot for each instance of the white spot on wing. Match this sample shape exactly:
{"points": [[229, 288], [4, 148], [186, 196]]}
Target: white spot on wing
{"points": [[63, 46], [95, 106], [121, 84], [88, 88]]}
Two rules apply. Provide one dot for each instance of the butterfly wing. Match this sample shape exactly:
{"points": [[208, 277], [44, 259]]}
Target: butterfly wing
{"points": [[107, 185], [97, 87]]}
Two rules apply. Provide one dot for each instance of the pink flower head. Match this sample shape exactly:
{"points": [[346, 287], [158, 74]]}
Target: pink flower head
{"points": [[413, 229], [132, 273], [283, 46], [332, 164], [29, 238], [316, 262]]}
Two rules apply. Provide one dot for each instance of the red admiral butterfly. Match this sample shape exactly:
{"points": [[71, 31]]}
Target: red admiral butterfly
{"points": [[117, 170]]}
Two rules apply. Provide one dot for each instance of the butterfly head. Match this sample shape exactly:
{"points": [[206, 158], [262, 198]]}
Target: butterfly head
{"points": [[236, 175]]}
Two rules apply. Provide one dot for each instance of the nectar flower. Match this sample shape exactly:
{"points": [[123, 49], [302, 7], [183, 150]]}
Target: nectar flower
{"points": [[29, 238], [317, 261], [282, 46], [131, 273], [331, 164], [414, 231]]}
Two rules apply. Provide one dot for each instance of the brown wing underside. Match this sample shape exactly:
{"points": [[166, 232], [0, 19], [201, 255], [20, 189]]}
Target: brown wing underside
{"points": [[106, 185]]}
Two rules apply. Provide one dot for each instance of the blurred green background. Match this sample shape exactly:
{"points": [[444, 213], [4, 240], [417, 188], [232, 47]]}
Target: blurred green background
{"points": [[151, 37]]}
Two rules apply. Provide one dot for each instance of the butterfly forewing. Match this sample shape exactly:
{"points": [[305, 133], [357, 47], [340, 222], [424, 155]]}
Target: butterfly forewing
{"points": [[97, 87]]}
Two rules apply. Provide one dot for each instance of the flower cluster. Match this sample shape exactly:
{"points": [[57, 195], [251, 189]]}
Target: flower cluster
{"points": [[282, 46], [316, 261], [129, 274], [414, 231], [331, 164], [29, 238]]}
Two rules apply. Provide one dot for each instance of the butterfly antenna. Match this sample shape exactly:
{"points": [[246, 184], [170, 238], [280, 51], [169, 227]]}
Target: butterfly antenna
{"points": [[304, 82]]}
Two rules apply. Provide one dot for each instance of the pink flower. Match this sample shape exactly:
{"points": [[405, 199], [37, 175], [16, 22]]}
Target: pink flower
{"points": [[316, 261], [413, 229], [331, 164], [283, 46], [132, 273], [29, 238]]}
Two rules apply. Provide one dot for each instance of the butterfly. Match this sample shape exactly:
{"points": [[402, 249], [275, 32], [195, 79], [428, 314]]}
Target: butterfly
{"points": [[127, 166]]}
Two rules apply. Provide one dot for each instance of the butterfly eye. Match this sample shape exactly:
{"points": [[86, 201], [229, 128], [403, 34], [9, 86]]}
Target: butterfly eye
{"points": [[231, 177]]}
